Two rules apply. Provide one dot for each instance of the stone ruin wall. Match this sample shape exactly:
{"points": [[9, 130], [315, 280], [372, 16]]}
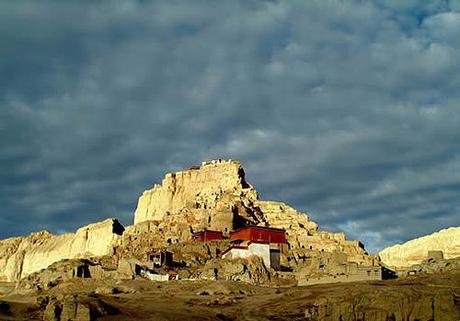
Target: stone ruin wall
{"points": [[359, 274]]}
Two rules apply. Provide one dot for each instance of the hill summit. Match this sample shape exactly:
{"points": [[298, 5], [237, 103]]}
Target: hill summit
{"points": [[214, 196]]}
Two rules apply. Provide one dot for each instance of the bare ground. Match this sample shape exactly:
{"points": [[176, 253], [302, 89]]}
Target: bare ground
{"points": [[435, 297]]}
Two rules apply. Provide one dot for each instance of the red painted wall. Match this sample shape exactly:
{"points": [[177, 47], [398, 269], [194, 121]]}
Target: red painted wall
{"points": [[242, 234], [205, 236], [260, 234]]}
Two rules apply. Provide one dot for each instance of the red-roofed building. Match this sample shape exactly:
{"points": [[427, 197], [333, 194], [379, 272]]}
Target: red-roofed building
{"points": [[260, 234], [265, 242]]}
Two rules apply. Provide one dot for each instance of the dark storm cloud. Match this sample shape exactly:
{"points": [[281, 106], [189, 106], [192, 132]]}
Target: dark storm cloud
{"points": [[346, 109]]}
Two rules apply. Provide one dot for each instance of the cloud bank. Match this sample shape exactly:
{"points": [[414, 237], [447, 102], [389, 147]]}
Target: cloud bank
{"points": [[349, 110]]}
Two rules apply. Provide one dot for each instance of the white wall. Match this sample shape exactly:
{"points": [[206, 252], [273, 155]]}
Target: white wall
{"points": [[258, 249], [261, 250]]}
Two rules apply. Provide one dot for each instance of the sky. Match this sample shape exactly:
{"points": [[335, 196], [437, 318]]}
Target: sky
{"points": [[347, 110]]}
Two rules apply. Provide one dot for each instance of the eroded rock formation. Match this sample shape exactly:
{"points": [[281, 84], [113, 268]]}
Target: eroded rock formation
{"points": [[415, 251], [22, 256], [211, 196], [385, 305], [216, 196]]}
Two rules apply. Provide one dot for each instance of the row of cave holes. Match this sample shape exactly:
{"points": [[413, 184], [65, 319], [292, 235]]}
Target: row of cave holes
{"points": [[302, 246], [311, 247]]}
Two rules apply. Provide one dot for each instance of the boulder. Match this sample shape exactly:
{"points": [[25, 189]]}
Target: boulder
{"points": [[76, 308]]}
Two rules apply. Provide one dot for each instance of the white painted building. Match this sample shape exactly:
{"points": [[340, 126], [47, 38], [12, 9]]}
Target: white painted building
{"points": [[270, 253]]}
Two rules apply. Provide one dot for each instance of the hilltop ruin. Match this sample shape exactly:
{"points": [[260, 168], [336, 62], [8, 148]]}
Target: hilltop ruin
{"points": [[214, 196]]}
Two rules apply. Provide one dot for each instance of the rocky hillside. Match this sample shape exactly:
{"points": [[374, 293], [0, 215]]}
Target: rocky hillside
{"points": [[21, 256], [213, 196], [217, 196], [416, 251]]}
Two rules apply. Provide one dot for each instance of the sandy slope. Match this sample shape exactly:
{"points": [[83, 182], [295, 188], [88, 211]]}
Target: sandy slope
{"points": [[435, 297]]}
